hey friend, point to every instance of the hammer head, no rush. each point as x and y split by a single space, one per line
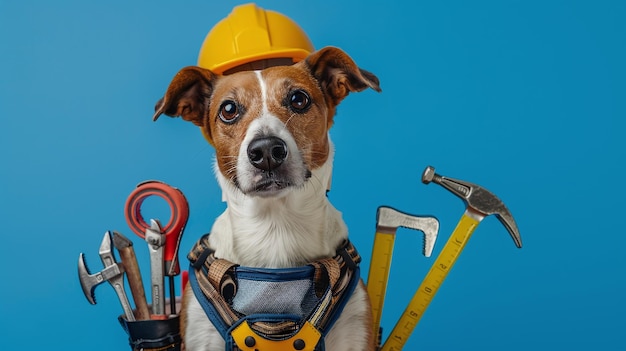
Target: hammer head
111 270
87 280
477 200
390 219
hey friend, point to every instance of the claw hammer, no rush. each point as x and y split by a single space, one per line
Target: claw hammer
388 220
479 203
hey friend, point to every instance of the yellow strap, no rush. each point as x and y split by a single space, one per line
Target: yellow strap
247 340
431 283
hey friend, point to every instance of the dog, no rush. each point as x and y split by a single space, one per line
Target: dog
273 162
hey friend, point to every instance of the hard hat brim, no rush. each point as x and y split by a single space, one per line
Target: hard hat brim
295 54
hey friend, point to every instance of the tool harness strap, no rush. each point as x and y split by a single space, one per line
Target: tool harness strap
311 297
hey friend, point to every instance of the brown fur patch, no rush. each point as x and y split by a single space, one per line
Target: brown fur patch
310 127
243 89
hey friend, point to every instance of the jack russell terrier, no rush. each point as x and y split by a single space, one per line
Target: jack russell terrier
273 163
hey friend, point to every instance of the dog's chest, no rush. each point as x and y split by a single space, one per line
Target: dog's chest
276 234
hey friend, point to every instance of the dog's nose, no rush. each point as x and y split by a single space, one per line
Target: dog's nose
267 153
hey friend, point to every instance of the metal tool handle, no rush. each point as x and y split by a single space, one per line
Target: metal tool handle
156 240
118 285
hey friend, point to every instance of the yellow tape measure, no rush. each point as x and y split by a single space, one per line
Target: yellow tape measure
379 274
430 285
479 203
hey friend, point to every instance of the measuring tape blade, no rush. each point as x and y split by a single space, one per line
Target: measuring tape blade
431 283
379 273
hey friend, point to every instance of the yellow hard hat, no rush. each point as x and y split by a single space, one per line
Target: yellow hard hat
250 33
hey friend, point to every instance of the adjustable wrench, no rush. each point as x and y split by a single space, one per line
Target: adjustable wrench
129 260
113 272
156 240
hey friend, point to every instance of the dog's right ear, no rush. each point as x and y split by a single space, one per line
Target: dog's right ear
188 96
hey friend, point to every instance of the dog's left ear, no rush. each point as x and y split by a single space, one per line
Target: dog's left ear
187 95
338 74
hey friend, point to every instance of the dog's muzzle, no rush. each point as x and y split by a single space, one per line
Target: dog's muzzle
269 165
268 156
267 153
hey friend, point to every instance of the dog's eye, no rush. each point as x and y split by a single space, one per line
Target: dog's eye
229 111
299 101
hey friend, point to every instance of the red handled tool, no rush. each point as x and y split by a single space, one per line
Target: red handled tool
164 261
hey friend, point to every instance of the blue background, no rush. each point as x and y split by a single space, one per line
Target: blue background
525 98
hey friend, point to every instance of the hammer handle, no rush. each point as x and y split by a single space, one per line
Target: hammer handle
129 260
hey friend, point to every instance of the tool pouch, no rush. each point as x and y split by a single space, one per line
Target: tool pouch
153 335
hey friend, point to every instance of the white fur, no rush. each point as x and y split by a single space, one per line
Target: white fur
295 226
267 125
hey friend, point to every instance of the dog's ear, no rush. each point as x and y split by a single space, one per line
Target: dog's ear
188 96
338 74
